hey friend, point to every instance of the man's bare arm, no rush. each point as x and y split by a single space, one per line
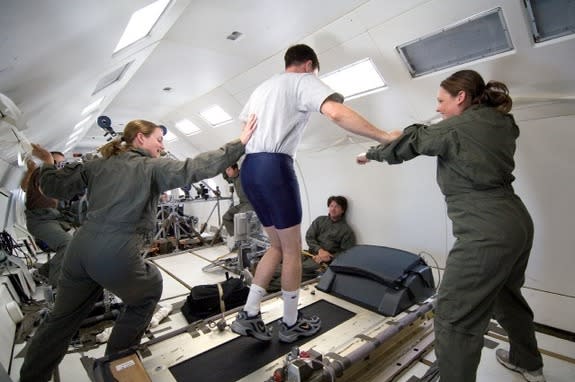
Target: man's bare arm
351 121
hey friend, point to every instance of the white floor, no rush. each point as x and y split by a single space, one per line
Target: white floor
184 270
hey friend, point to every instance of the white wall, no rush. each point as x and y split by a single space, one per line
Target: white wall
7 325
10 175
546 183
396 206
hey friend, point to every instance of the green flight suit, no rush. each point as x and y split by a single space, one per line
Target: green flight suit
485 269
334 237
123 193
46 223
242 206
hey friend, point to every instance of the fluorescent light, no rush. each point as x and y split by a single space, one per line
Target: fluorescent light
187 127
93 106
111 78
355 80
77 133
170 137
216 116
79 124
71 143
141 23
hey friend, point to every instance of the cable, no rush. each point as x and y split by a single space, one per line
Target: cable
436 266
524 286
11 247
548 291
303 183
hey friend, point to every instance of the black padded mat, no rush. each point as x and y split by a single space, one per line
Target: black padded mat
244 355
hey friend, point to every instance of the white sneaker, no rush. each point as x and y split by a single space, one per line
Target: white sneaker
530 376
251 326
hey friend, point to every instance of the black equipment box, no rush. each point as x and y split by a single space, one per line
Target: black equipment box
382 279
206 300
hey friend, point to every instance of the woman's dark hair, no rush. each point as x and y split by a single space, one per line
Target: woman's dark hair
298 54
494 93
340 200
125 142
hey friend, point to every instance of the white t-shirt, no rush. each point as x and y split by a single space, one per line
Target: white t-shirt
282 106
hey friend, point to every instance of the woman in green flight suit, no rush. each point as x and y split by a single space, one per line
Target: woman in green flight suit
474 145
123 192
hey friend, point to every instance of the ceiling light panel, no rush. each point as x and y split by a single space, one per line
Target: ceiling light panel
187 127
82 122
476 37
112 77
355 80
141 23
93 106
216 116
550 19
170 137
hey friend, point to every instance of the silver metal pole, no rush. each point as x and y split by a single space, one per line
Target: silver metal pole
337 366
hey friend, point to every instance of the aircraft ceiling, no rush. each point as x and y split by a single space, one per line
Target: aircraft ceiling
54 52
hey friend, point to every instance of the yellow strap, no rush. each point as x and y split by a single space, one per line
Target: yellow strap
221 294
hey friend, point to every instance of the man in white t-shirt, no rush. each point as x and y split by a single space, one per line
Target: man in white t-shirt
283 105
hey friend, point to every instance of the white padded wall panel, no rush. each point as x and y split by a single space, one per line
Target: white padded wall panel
7 328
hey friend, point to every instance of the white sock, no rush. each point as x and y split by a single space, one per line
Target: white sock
291 300
257 293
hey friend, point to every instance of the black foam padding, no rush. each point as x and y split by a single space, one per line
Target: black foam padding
385 280
244 355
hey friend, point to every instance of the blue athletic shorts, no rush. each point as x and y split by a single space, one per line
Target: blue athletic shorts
271 185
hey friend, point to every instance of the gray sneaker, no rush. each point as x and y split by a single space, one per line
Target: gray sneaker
531 376
251 326
303 327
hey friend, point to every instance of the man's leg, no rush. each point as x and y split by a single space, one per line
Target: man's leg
270 260
249 321
294 324
289 253
290 239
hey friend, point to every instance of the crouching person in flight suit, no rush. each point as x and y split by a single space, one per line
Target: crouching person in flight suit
329 235
43 219
232 175
124 188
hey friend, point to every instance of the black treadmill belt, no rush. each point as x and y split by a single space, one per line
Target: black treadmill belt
244 355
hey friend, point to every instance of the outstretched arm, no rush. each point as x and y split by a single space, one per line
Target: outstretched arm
30 167
351 121
42 154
